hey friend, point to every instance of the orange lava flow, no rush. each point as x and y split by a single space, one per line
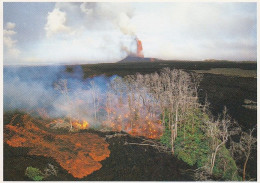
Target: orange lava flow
79 153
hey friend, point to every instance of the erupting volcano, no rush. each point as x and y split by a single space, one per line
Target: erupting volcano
139 55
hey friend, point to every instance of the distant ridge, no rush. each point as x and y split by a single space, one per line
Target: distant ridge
136 59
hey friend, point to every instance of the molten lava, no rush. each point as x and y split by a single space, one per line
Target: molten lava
78 153
139 49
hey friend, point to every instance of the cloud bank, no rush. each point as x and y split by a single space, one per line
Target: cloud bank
197 31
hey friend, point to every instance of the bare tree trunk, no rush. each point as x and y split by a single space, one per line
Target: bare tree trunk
95 108
70 123
184 132
172 138
69 114
163 120
213 157
169 120
176 121
244 168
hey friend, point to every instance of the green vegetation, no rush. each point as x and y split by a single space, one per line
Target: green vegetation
193 145
225 166
34 173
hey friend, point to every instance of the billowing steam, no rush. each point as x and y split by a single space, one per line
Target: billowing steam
87 32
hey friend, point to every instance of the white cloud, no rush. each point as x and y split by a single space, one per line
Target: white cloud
10 25
85 9
56 21
7 32
10 44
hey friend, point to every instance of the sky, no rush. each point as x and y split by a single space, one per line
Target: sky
70 33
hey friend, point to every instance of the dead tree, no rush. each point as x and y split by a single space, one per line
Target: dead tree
62 87
179 96
118 87
94 90
244 148
169 93
218 131
130 91
108 104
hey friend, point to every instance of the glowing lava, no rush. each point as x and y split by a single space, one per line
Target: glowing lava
139 49
78 153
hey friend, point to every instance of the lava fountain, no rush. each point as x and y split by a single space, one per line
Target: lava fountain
139 48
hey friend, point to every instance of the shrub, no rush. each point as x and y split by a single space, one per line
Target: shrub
166 138
191 144
50 170
225 166
34 173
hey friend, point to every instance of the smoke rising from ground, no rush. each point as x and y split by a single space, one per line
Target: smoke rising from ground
33 88
62 92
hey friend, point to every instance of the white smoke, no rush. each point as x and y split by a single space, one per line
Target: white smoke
88 32
32 88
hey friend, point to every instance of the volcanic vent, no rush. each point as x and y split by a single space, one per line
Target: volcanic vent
139 55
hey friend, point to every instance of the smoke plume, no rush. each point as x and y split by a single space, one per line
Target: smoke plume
87 32
33 88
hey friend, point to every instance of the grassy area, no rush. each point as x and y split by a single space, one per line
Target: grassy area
230 72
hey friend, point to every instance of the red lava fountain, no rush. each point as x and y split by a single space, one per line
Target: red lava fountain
139 49
79 153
